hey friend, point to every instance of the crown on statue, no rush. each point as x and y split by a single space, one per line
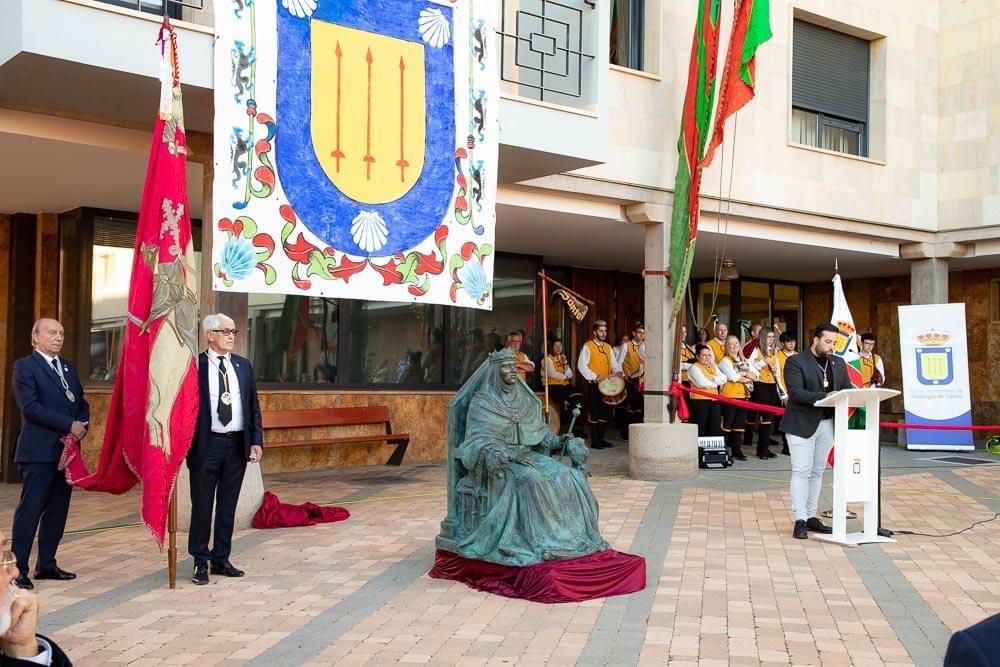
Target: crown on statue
846 328
933 338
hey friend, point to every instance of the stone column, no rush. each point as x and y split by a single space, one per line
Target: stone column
929 269
659 450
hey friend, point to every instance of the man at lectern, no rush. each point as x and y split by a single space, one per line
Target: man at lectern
809 378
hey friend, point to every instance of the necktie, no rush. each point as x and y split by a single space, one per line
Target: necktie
224 408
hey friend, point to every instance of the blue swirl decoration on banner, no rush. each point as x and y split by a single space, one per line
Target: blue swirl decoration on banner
321 206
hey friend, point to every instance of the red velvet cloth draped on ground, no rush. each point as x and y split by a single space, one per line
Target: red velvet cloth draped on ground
275 514
154 404
598 575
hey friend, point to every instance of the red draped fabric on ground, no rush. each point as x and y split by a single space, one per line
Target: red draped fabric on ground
598 575
275 514
154 405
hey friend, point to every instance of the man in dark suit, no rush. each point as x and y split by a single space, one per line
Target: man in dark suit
227 435
19 642
48 391
809 377
976 646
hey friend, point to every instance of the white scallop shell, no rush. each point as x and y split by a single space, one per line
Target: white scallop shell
299 8
369 231
434 27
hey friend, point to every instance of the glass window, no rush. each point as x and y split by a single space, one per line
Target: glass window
821 131
476 333
788 309
396 343
755 307
293 338
148 6
626 33
110 274
712 304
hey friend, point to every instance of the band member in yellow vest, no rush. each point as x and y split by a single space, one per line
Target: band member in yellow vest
787 350
688 356
524 364
634 368
872 369
718 344
597 361
704 375
558 374
740 377
763 359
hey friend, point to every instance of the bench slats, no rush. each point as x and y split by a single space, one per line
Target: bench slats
327 417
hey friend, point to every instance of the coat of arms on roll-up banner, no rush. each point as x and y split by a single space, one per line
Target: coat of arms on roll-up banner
356 149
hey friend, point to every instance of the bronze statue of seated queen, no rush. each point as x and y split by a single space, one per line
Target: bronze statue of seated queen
511 498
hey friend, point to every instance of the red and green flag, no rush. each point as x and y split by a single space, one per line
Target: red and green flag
699 100
751 28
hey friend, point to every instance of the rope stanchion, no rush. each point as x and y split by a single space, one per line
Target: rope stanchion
677 388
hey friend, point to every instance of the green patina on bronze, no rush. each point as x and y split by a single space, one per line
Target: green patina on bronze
509 501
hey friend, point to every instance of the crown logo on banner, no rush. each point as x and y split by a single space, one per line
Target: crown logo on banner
846 328
933 338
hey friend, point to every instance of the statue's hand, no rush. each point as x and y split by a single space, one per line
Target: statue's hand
577 451
524 460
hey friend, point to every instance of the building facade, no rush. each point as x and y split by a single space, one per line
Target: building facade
873 142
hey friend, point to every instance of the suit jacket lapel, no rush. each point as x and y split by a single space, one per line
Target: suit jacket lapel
48 371
203 380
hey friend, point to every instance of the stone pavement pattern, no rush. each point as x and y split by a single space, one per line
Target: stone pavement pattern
726 582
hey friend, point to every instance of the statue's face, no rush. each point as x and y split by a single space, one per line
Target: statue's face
508 372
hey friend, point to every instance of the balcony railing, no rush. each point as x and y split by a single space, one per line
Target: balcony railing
174 7
548 50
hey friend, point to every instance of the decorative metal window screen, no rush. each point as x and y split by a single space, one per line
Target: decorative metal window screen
547 50
830 72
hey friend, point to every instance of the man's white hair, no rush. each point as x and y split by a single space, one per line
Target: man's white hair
214 321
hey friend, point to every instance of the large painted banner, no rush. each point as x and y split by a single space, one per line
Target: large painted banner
356 149
934 357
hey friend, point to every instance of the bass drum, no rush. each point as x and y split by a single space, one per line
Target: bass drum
612 389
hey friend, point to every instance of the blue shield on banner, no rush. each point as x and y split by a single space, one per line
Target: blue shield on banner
366 106
934 365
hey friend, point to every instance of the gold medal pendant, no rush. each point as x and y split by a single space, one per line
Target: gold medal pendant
226 398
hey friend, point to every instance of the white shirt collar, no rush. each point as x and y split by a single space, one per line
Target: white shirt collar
213 356
47 358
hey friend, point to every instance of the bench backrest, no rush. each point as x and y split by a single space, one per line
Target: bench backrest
378 414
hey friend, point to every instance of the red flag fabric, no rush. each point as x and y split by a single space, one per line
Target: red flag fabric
273 513
154 406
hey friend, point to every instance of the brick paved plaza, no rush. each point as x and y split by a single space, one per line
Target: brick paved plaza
726 582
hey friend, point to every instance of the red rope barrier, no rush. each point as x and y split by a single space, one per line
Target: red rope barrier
677 388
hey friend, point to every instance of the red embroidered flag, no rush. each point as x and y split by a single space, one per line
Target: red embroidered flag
155 401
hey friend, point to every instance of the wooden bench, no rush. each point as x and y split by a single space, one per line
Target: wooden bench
318 417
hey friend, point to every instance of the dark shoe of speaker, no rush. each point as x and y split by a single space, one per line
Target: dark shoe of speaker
799 532
818 526
22 581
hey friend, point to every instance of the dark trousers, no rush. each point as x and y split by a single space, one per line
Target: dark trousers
564 398
707 415
216 481
598 416
44 502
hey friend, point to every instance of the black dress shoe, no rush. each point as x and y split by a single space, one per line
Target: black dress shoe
818 526
771 455
55 573
22 581
799 532
598 445
200 576
739 456
226 569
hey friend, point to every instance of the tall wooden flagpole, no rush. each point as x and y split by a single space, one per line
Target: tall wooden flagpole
172 530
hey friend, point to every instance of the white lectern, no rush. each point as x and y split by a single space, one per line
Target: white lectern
855 462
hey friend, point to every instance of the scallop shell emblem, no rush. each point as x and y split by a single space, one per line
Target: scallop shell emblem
299 8
238 259
369 231
434 27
